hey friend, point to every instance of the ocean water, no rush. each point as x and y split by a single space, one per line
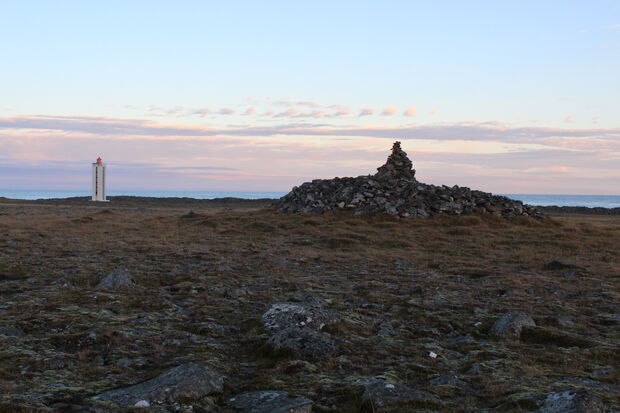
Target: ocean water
605 201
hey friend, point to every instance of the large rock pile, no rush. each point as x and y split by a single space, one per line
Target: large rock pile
395 191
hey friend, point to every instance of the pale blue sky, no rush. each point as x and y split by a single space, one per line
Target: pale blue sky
516 64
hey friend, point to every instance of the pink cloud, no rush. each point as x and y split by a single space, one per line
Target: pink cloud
568 119
432 112
410 111
389 111
249 111
287 113
269 113
226 111
308 104
366 112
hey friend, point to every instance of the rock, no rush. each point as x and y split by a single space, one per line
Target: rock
572 401
117 280
509 326
381 396
558 264
284 315
10 331
191 381
451 380
393 190
270 402
304 343
296 327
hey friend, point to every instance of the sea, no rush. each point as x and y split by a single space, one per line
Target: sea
604 201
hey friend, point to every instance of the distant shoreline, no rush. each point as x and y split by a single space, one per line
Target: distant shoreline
146 201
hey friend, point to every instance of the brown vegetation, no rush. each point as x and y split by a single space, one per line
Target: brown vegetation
204 279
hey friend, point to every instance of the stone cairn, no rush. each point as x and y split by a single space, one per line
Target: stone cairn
393 190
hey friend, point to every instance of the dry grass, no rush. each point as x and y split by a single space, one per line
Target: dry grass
206 277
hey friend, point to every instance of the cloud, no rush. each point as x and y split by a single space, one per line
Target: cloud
249 111
366 112
568 119
389 111
432 112
410 111
268 112
287 113
308 104
114 128
226 111
339 113
201 112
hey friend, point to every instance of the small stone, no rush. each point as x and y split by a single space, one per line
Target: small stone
268 401
572 401
382 397
142 403
509 326
117 280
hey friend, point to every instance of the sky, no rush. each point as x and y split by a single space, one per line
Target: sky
502 96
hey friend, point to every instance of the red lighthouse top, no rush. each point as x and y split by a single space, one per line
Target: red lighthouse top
99 161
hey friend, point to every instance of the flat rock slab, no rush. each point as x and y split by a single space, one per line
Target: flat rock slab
509 326
270 402
117 280
572 401
189 381
383 397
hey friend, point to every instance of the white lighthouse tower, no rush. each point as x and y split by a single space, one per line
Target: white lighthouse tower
99 181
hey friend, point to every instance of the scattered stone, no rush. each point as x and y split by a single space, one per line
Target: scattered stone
142 403
117 280
191 381
393 190
509 326
270 402
62 282
572 401
382 397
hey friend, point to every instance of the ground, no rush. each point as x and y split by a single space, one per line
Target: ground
402 289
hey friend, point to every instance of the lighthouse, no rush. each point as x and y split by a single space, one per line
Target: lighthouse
99 181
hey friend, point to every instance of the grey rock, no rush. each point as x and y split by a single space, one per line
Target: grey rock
270 402
284 315
572 401
304 343
191 381
117 280
393 190
451 380
558 264
382 397
509 326
10 331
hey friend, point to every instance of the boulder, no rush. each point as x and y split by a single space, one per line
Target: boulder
297 327
284 315
572 401
304 343
117 280
382 397
269 401
191 381
509 326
